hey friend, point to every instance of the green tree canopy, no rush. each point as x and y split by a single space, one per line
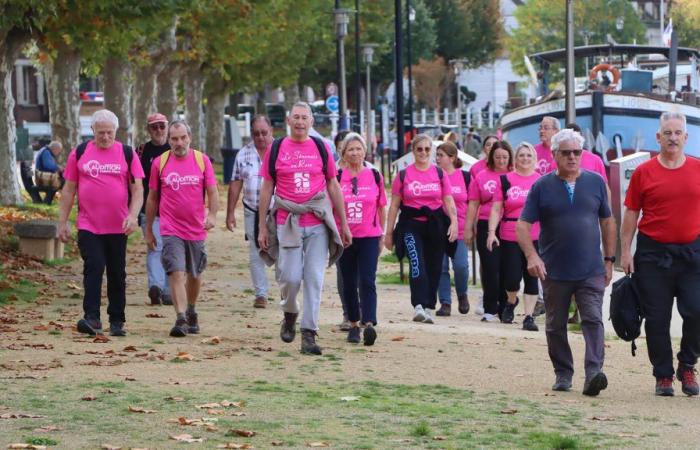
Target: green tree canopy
686 22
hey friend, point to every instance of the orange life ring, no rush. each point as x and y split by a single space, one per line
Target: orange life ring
604 67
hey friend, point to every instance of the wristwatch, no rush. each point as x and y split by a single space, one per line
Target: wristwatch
612 259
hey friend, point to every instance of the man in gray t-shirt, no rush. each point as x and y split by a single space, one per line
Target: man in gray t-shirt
572 207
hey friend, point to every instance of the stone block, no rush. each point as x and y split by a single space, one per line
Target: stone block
38 238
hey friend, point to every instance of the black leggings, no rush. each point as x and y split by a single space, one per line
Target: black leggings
425 262
494 296
514 268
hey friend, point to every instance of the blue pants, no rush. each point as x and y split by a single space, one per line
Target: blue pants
358 265
460 266
154 266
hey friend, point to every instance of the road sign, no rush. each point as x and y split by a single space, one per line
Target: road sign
331 89
332 103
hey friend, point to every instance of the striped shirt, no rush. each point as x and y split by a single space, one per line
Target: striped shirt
246 168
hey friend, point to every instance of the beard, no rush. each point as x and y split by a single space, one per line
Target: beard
180 151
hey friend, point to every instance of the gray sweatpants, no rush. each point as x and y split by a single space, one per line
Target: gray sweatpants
257 265
589 299
307 263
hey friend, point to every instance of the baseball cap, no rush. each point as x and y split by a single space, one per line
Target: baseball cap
157 118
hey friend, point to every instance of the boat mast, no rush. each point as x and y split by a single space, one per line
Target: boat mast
570 85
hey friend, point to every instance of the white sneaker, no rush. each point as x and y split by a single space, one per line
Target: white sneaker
479 310
489 318
428 316
419 315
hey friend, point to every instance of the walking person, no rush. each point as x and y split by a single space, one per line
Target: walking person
158 286
572 208
509 200
365 209
447 158
428 221
180 179
247 178
107 178
665 191
301 233
481 193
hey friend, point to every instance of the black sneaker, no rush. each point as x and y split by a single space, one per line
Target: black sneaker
90 326
508 313
686 375
308 343
562 384
117 329
166 299
155 294
369 335
597 383
180 328
445 310
288 328
529 324
192 323
354 335
664 386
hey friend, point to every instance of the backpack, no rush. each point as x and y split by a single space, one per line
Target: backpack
467 178
274 152
375 173
505 185
625 311
128 156
198 157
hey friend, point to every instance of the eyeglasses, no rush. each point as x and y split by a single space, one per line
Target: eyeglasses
422 149
353 182
157 126
546 128
260 133
567 153
440 155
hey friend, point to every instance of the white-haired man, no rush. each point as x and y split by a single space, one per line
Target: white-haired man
666 264
549 126
108 180
572 208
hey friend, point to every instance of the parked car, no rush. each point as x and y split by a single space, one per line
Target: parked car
276 113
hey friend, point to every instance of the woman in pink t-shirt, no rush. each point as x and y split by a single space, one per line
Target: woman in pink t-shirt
486 149
448 160
481 192
365 205
423 193
508 203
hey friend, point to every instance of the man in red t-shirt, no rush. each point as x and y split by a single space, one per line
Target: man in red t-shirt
666 189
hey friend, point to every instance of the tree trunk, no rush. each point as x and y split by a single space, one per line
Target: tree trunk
291 96
167 90
9 186
117 92
63 76
216 93
144 100
194 87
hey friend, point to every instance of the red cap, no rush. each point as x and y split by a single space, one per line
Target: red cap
157 118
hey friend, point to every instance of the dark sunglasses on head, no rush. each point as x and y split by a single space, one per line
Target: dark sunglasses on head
567 153
353 182
157 126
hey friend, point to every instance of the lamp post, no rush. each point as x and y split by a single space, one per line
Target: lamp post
410 17
368 53
458 65
398 73
342 18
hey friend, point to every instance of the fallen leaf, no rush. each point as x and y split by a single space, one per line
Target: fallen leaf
89 398
439 438
398 338
139 409
234 445
186 438
243 433
32 446
216 412
100 339
129 379
110 447
509 411
209 406
174 399
211 428
73 286
227 404
41 328
318 444
602 418
238 413
130 348
47 429
155 316
20 416
350 398
277 443
183 356
212 341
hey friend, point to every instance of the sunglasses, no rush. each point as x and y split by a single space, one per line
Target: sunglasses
567 153
157 126
422 149
260 133
353 182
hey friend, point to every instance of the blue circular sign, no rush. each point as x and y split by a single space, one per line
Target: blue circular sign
333 103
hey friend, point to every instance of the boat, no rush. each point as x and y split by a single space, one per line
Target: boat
618 116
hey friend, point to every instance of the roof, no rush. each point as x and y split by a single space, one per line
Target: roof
684 53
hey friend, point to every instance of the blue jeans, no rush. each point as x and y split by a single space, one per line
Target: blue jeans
154 266
460 266
358 265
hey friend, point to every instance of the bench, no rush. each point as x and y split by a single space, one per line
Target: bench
39 239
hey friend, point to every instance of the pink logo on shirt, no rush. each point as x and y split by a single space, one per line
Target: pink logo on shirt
94 168
302 182
516 192
490 186
174 180
543 166
418 188
354 210
456 189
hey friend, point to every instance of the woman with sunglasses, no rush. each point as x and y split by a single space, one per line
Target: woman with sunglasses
509 200
482 189
448 160
423 193
365 207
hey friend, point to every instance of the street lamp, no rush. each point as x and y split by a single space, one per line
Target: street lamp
368 53
411 17
342 18
458 65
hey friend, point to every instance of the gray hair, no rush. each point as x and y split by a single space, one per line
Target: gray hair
301 104
565 135
105 116
348 139
554 120
180 123
55 144
260 117
665 117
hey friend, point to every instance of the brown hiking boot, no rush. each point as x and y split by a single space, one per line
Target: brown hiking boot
287 331
463 303
308 343
445 310
260 302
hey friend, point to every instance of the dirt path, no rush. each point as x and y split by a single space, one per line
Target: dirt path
458 351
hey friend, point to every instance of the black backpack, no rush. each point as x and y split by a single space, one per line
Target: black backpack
375 173
505 185
625 310
274 152
128 156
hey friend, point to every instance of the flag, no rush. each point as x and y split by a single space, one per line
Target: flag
668 31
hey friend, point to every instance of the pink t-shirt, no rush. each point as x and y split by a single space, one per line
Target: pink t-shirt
422 188
459 193
483 188
361 209
299 175
513 206
592 162
478 167
545 160
182 187
102 177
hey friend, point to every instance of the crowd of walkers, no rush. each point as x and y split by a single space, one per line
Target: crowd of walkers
538 215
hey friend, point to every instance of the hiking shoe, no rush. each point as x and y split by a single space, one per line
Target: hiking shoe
489 318
597 383
463 304
260 302
428 317
419 314
664 386
345 325
117 329
445 310
180 328
354 335
369 335
479 310
155 294
288 329
686 375
90 326
192 323
508 313
539 309
166 300
562 384
529 324
308 342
